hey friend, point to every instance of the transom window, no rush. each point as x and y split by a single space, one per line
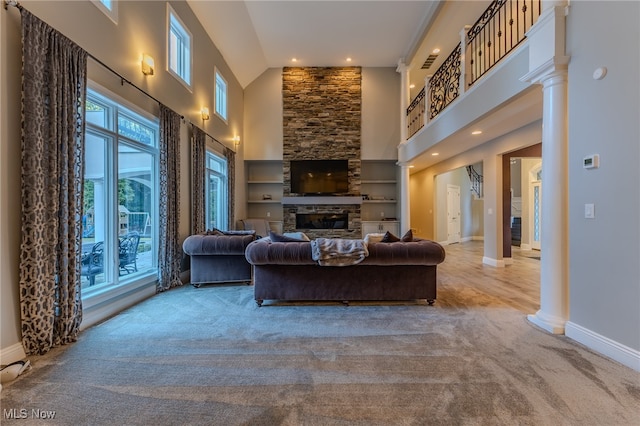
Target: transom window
120 199
178 48
216 191
108 7
221 96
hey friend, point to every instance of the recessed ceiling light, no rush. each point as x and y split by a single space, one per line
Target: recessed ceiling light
476 132
411 167
411 86
348 59
435 51
294 59
435 154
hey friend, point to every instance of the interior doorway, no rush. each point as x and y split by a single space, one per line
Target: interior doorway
518 215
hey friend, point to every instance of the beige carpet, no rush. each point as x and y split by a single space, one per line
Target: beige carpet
210 356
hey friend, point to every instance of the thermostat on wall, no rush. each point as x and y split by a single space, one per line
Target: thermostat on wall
591 162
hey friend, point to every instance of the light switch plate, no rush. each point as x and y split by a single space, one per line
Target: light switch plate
589 211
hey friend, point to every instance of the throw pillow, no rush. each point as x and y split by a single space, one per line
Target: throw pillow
408 236
299 235
389 238
373 238
279 238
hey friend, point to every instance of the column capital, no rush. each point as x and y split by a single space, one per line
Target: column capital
402 67
558 65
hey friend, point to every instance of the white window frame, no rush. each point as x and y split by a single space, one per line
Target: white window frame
112 12
221 98
183 76
223 201
101 294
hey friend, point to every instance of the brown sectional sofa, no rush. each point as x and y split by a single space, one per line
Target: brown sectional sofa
391 271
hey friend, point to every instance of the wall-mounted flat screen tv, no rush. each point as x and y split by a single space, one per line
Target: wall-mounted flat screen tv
320 177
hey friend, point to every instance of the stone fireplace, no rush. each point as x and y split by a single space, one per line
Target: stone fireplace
322 121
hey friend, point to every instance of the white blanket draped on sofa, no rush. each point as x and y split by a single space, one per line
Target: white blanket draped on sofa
338 252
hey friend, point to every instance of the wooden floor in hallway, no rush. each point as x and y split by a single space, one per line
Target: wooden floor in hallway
463 273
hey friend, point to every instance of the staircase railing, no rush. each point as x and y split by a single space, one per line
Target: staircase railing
499 30
476 181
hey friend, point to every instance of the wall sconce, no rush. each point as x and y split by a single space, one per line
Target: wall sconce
236 141
147 64
205 113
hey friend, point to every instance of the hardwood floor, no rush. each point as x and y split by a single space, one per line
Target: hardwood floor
463 279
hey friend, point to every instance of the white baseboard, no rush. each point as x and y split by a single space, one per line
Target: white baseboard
493 262
12 354
610 348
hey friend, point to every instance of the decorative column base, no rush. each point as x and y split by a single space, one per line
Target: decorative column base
550 323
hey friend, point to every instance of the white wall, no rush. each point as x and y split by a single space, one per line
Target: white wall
141 29
604 119
380 118
263 117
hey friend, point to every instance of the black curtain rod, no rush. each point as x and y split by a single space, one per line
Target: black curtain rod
122 78
212 138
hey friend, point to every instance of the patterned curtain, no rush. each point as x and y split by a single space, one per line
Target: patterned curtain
231 185
54 77
198 158
170 251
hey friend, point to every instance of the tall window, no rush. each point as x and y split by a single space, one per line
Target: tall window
178 48
119 241
216 192
109 7
221 96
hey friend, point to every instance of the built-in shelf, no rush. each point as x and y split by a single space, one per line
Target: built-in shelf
265 178
378 201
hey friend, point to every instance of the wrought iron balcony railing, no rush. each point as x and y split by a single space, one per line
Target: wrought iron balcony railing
499 30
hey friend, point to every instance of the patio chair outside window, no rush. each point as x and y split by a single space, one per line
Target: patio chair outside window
128 252
93 262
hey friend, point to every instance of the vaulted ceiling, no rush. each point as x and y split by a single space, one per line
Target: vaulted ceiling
256 35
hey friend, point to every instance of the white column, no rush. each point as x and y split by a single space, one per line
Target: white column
405 198
548 66
405 95
554 285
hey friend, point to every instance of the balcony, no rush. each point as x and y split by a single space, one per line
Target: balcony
483 69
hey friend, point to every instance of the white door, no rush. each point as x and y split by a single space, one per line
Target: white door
536 202
453 214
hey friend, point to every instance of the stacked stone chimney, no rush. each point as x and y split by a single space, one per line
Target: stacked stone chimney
322 121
